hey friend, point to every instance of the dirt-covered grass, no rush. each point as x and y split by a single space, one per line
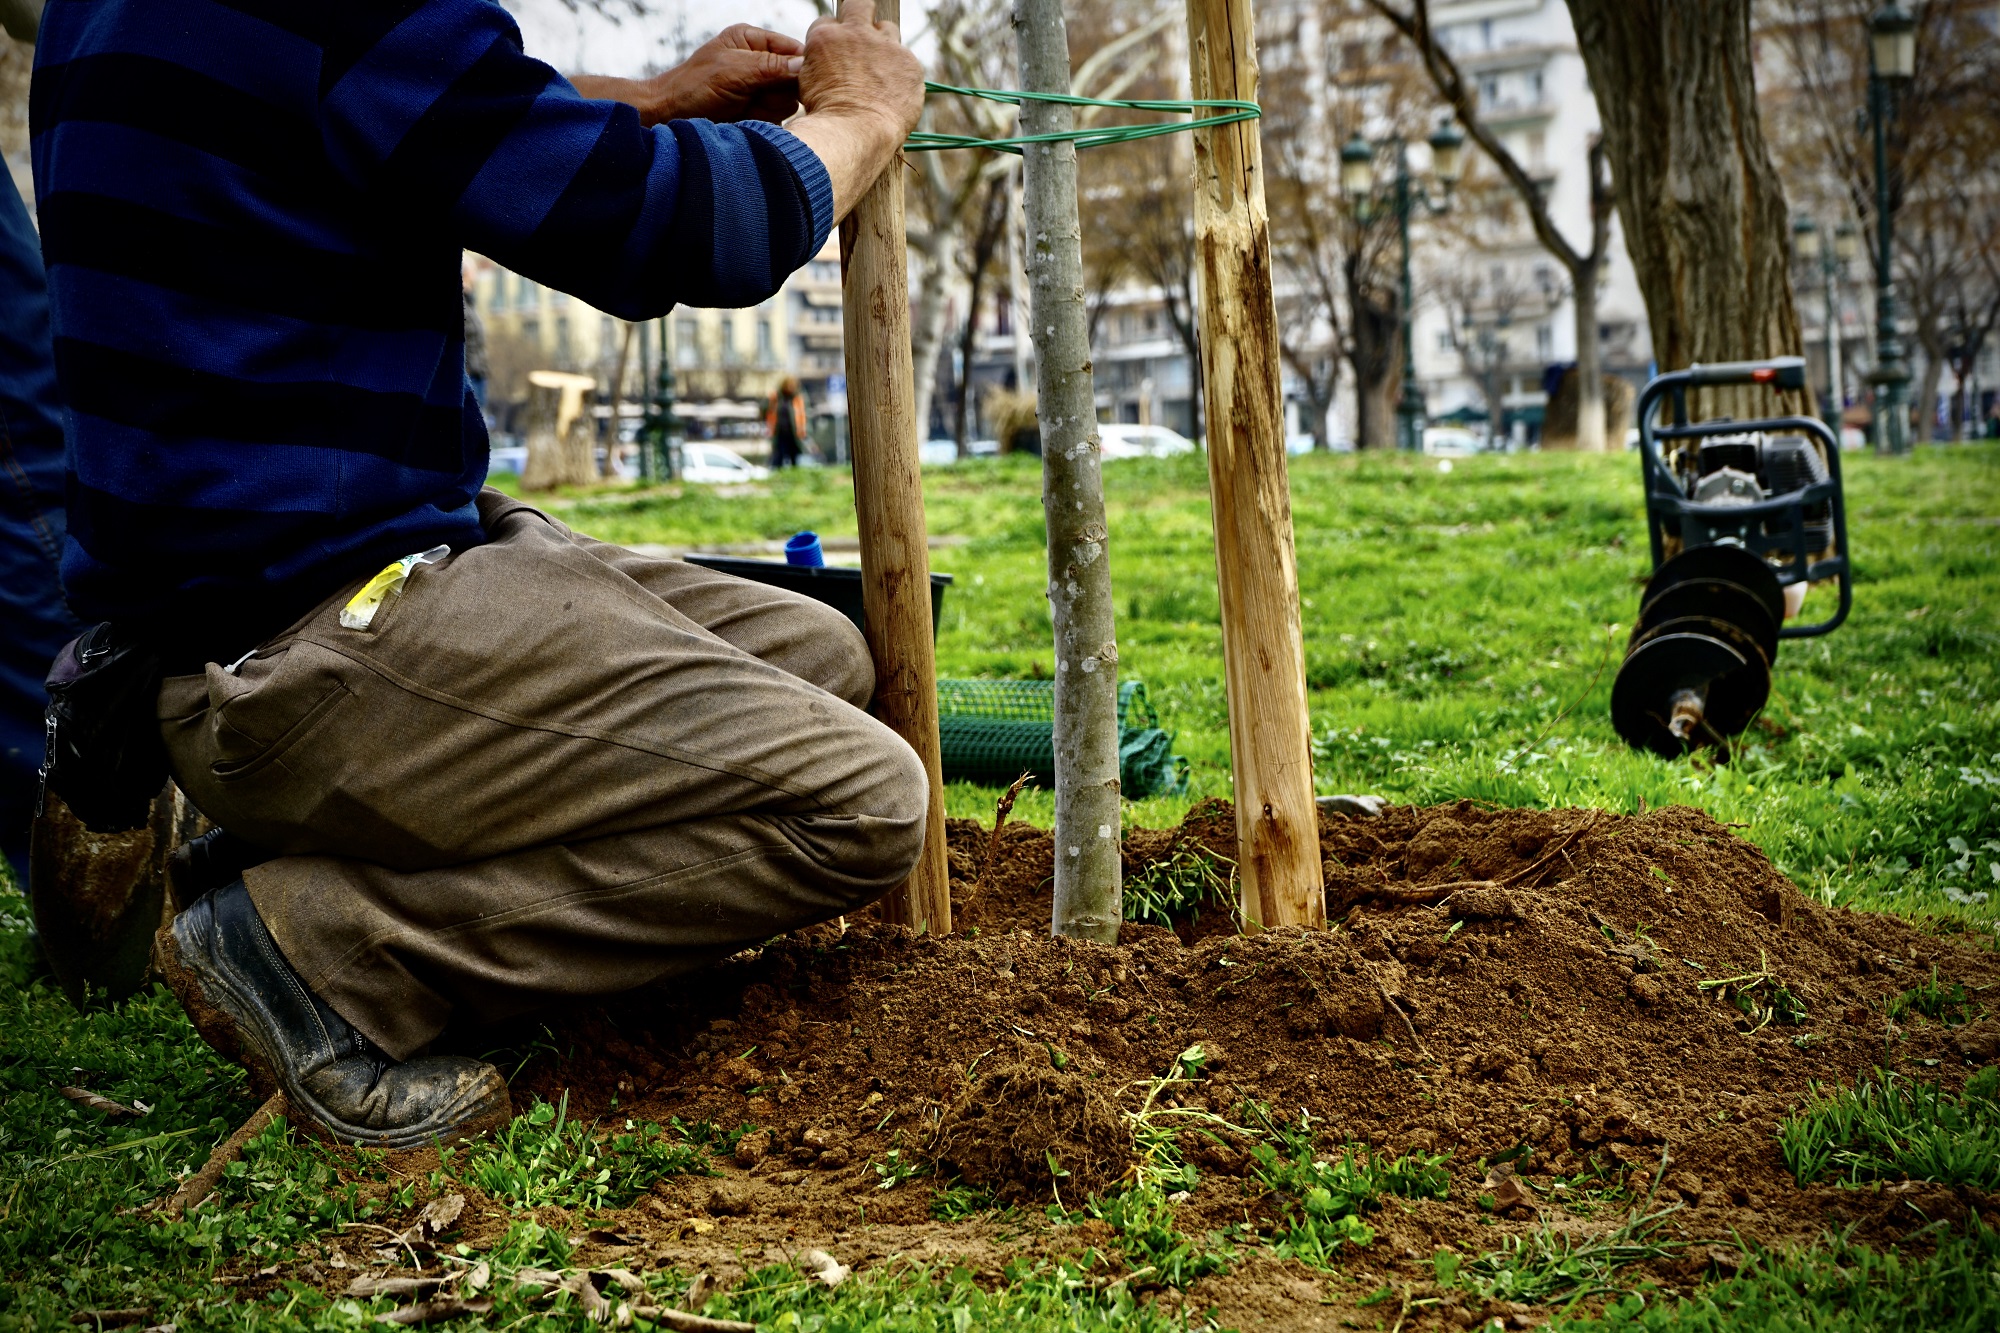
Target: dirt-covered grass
1457 646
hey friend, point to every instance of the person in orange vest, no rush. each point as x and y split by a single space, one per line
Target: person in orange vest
785 421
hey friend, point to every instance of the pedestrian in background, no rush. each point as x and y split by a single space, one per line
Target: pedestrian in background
785 420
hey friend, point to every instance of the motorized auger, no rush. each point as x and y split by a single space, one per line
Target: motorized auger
1743 517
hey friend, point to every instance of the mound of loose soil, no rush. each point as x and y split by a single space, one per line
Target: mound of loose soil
1495 978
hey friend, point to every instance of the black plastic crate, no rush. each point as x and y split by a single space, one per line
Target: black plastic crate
837 585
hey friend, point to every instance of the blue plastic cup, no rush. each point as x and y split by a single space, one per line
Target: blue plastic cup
803 549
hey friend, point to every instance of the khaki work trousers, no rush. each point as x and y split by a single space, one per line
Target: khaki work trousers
549 768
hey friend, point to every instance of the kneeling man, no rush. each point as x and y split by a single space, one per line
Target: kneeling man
545 766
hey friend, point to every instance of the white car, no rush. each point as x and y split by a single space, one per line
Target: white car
711 464
1451 441
1119 440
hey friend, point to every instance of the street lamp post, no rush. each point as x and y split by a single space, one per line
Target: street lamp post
1892 58
1810 243
1407 195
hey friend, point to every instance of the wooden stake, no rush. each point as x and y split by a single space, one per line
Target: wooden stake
1270 738
889 500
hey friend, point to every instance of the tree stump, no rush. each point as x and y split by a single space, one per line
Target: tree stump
561 445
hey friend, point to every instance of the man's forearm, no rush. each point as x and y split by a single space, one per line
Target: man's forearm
854 149
636 93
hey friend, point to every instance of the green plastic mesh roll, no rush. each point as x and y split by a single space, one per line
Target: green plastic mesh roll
992 731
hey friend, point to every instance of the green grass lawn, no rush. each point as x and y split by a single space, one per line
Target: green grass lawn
1458 643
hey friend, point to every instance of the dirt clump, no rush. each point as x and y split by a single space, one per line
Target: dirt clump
1625 1005
1027 1130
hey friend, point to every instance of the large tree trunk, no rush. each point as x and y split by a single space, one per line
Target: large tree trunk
1088 858
1373 354
1704 213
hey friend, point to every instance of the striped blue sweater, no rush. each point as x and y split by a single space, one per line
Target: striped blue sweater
252 213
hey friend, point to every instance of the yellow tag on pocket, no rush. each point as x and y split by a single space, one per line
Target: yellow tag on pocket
359 613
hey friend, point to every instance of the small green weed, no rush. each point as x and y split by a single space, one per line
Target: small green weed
896 1168
1945 1001
544 1159
959 1201
1545 1266
1897 1128
1155 1249
1179 885
1759 996
1322 1200
1838 1287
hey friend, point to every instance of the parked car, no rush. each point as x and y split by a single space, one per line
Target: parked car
1119 440
1302 443
711 464
1452 441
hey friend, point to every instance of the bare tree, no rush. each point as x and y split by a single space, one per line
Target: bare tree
1945 138
1703 212
1088 858
1323 83
1585 267
976 262
1142 226
1480 310
974 49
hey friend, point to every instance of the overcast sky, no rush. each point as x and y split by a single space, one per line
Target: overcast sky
589 44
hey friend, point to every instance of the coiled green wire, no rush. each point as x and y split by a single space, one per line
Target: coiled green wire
928 141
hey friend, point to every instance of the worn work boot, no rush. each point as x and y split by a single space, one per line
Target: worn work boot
248 1003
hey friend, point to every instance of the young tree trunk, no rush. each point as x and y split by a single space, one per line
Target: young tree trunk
1589 365
1925 401
1088 856
1703 211
968 344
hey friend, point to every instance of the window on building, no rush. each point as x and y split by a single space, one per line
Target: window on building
563 350
525 294
531 329
1444 340
1489 90
497 296
728 337
767 350
1486 34
1535 86
1545 341
687 343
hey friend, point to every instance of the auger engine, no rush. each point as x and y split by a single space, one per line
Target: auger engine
1743 517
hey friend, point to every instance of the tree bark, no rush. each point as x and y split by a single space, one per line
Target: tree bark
1373 345
1263 652
618 400
1589 365
1704 213
1088 855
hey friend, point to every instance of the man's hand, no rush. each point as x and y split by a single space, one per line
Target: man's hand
862 91
855 66
745 73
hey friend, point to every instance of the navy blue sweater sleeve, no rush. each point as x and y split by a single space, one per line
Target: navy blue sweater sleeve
443 116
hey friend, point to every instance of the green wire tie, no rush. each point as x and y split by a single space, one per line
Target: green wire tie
929 141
